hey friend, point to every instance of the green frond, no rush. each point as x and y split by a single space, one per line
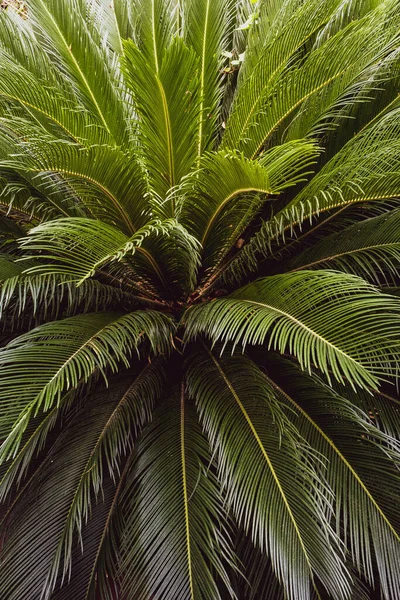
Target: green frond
323 113
167 102
334 321
16 470
367 168
220 200
284 78
124 17
154 24
370 249
208 27
30 79
68 34
51 296
80 247
111 21
361 469
132 411
260 582
107 181
28 192
269 38
268 482
382 407
175 529
54 357
47 527
92 567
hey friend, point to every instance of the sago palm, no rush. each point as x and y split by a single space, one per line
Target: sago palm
200 246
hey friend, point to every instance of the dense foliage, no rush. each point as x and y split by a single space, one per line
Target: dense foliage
200 245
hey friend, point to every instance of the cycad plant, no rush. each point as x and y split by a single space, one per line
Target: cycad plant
200 246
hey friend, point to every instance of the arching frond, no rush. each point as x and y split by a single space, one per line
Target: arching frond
132 411
43 297
68 34
367 168
93 571
360 469
182 557
28 193
382 407
270 39
29 78
107 181
370 249
220 200
279 85
64 505
334 321
56 356
79 247
260 582
153 27
256 465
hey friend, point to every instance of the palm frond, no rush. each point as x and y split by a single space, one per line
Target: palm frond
182 557
334 321
367 168
80 247
361 469
382 407
370 249
208 25
43 297
132 411
267 480
154 25
277 88
167 102
28 192
106 180
261 582
16 471
56 356
78 50
87 576
31 80
63 513
220 201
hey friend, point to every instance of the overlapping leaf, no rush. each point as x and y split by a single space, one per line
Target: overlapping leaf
334 321
256 465
182 558
361 468
58 355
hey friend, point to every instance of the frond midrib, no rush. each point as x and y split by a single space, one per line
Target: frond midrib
266 457
337 451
